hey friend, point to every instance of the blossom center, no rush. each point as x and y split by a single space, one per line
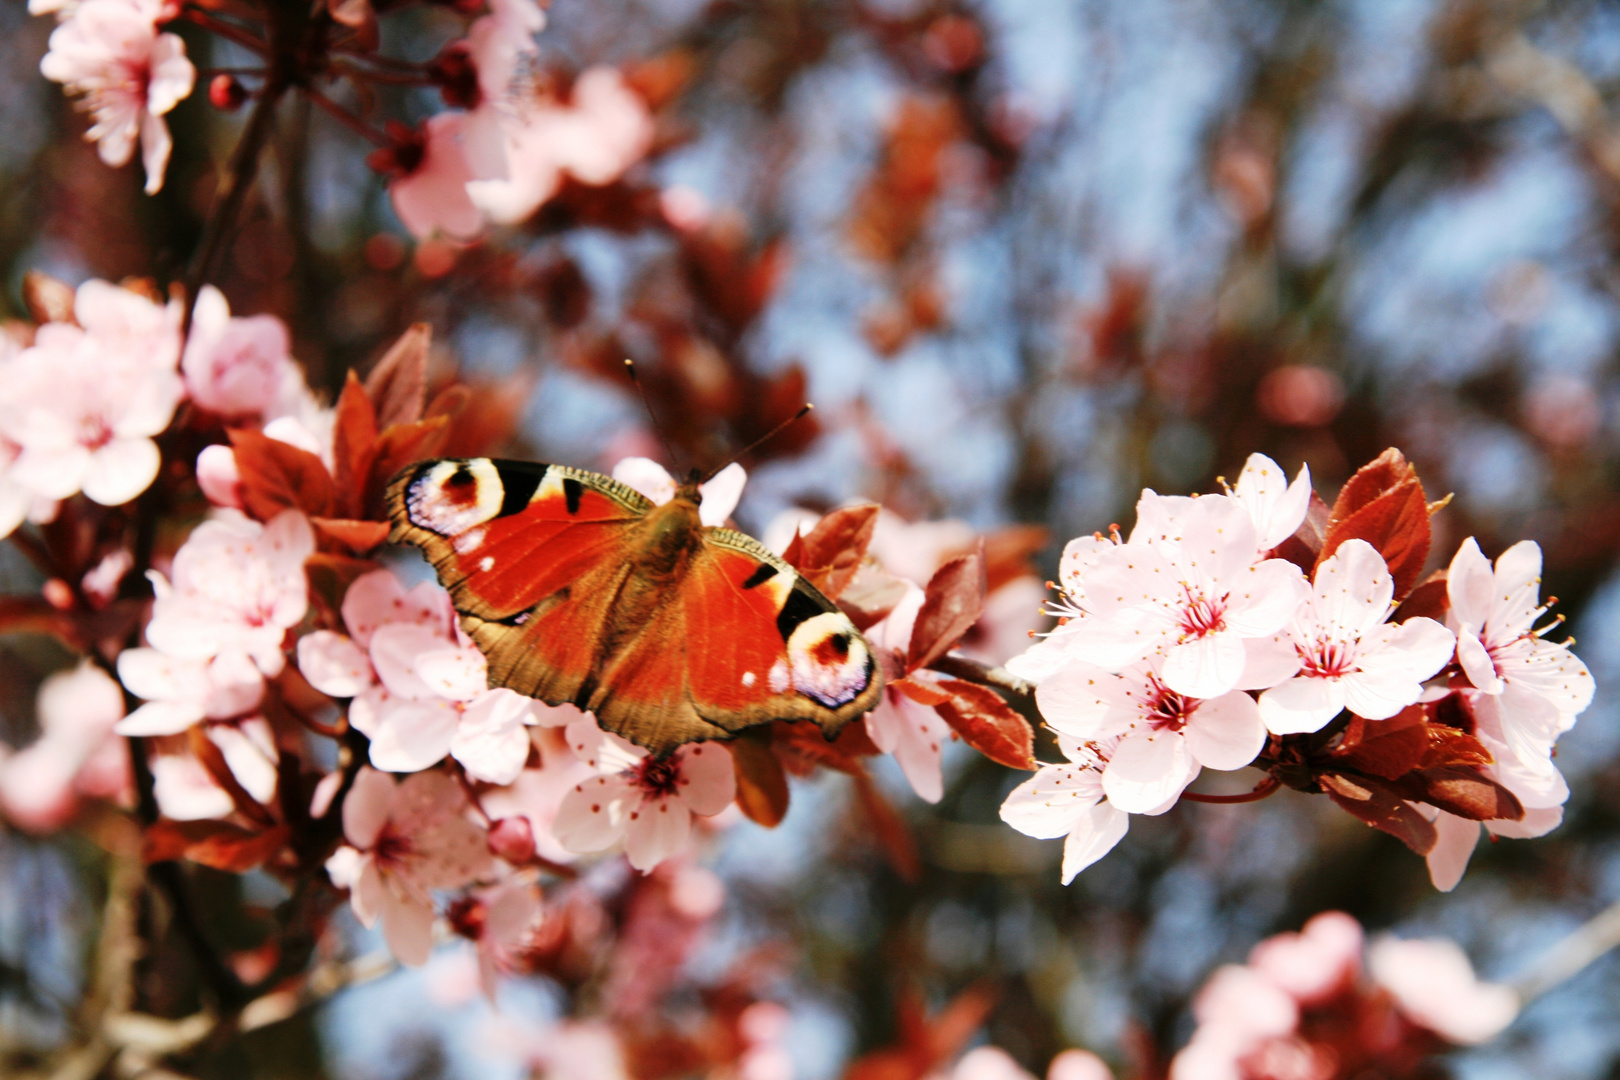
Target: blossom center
391 849
1201 614
1164 709
95 432
657 777
1327 659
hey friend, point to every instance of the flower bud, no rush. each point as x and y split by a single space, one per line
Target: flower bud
512 839
226 92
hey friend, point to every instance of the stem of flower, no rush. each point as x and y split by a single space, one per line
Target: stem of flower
976 671
348 119
229 31
1261 791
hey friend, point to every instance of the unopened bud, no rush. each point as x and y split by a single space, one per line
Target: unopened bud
226 92
512 839
59 594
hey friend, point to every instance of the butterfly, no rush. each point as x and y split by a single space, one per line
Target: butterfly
578 589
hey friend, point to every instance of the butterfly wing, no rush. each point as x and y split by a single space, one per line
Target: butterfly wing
548 567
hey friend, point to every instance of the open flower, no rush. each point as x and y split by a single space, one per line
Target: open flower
130 75
647 802
1164 737
432 167
914 733
237 588
1186 583
537 794
1346 655
237 367
1068 800
404 841
1535 687
1434 987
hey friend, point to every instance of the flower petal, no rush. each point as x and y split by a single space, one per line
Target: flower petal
708 780
1147 772
647 477
121 470
491 739
1050 803
1302 704
657 829
1092 837
1227 732
411 736
592 817
365 810
334 664
721 495
1205 667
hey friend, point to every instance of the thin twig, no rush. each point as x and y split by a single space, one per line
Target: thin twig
1571 956
227 30
1261 791
348 119
976 671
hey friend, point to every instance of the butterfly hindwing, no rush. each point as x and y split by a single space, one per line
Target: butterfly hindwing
577 589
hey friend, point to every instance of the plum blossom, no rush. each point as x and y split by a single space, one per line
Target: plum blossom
404 841
720 493
603 130
1164 737
420 688
1434 987
186 790
1277 507
912 732
1187 583
181 692
1345 654
647 802
433 168
501 921
1534 688
237 367
130 75
1068 800
238 587
75 756
1050 651
537 793
85 400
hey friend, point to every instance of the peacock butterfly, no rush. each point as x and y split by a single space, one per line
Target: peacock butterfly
580 590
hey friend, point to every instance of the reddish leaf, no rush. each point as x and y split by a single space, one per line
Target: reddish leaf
888 828
1383 504
354 445
1429 600
1468 793
1449 746
1378 804
1305 545
870 596
1010 553
358 536
762 786
831 554
397 386
399 446
277 476
218 844
33 614
921 691
988 724
954 601
956 1023
802 749
1387 748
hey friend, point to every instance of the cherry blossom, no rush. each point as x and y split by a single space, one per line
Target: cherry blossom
603 130
237 367
647 802
183 692
1186 582
130 75
184 789
1164 737
1345 654
404 841
434 167
1068 800
76 754
912 732
720 492
1049 652
1534 687
85 400
238 587
1435 987
537 793
1277 507
501 921
1239 1012
1316 963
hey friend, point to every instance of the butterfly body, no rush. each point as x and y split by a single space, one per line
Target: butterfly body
580 590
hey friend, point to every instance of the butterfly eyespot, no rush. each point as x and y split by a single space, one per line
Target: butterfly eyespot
829 660
451 497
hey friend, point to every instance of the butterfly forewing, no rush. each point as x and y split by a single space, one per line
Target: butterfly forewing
578 590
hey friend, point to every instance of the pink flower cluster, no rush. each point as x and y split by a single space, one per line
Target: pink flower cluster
75 757
1191 645
1303 1008
127 73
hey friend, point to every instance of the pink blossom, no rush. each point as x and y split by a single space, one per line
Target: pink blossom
1277 507
645 801
436 165
914 733
1535 688
1068 800
1078 1065
989 1063
404 841
84 401
1434 986
236 367
501 920
186 791
720 493
237 588
110 52
1238 1011
762 1027
1316 963
537 794
183 692
75 755
1345 654
1164 737
1186 583
599 134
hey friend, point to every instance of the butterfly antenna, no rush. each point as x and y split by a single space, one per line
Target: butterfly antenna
658 429
765 438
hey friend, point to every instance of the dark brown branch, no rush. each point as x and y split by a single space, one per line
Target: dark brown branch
999 679
348 119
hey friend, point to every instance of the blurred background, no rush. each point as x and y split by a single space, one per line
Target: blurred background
1026 257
